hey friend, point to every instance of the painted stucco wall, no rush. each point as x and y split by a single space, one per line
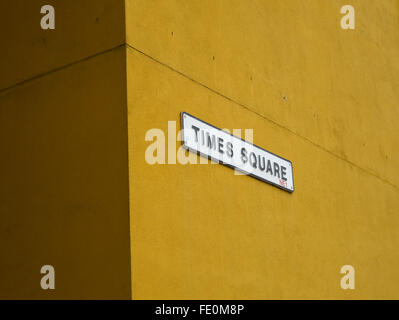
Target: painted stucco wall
77 193
322 97
63 140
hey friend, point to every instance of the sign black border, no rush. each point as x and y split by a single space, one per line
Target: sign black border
232 166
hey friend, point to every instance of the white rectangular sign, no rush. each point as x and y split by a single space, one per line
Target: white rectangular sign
223 147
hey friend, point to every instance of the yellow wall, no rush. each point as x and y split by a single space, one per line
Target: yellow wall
320 96
76 103
63 165
82 30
